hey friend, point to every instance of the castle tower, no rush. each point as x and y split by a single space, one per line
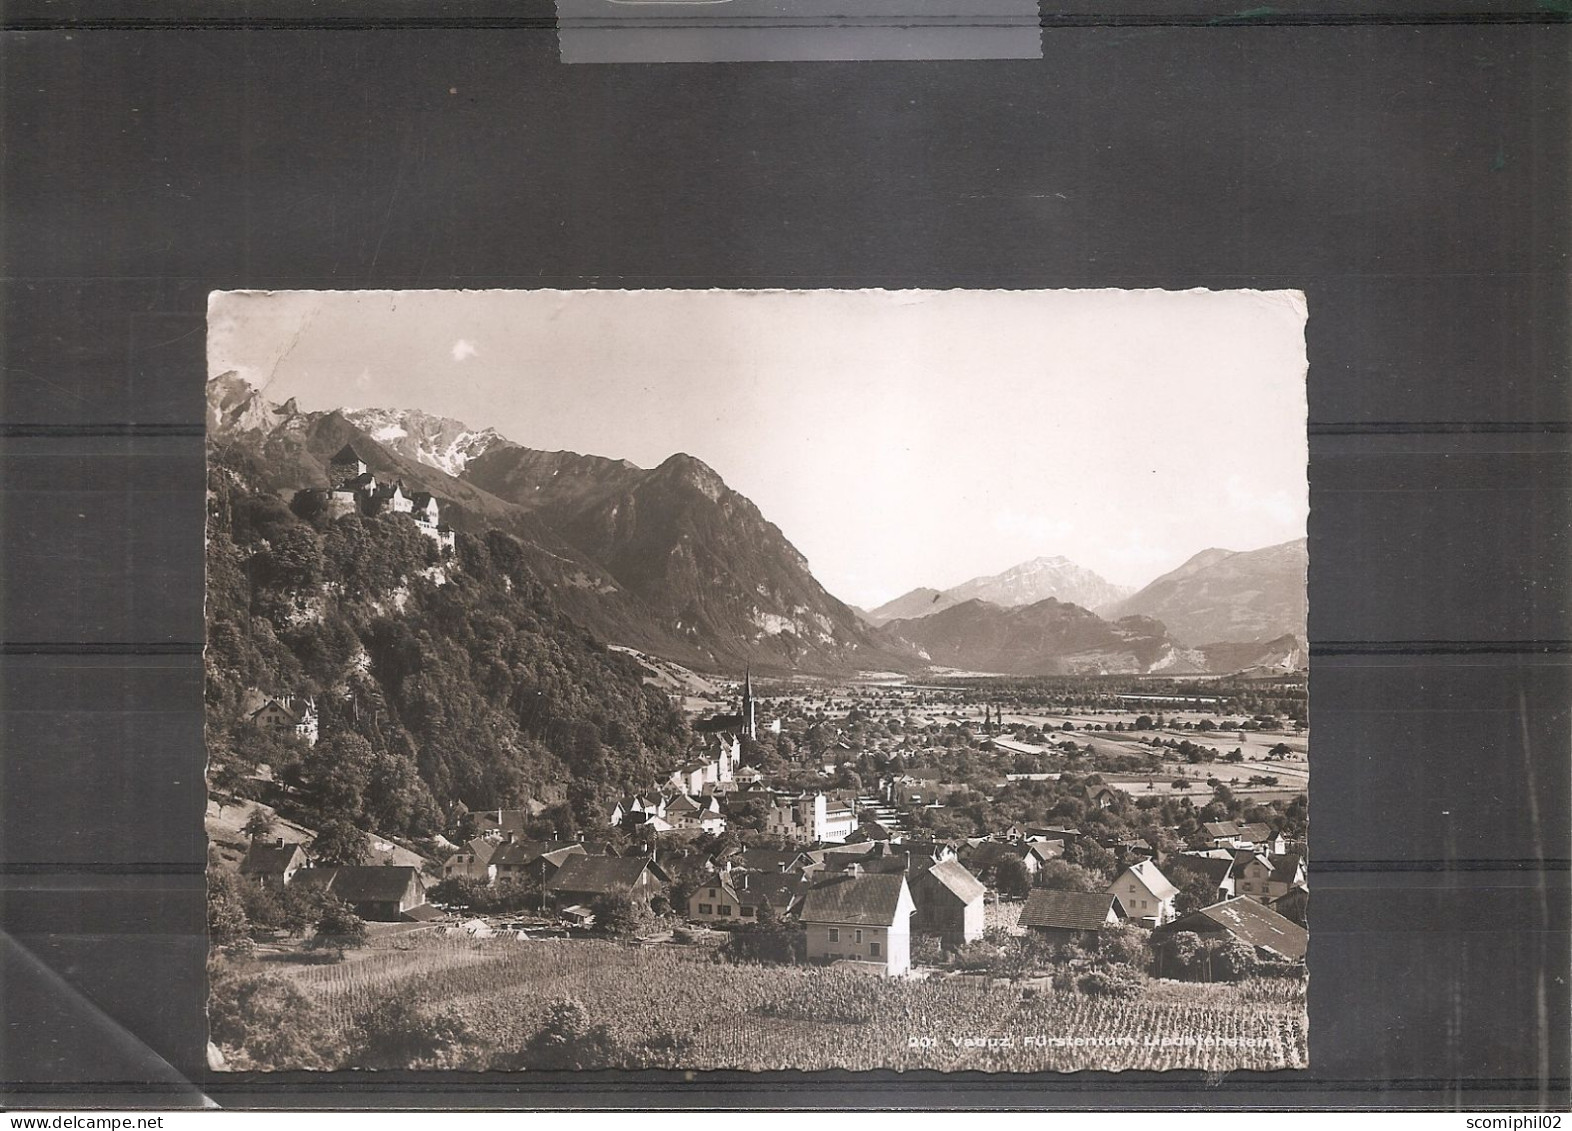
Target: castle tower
749 717
345 466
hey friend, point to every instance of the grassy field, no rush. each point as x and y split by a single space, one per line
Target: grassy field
676 1007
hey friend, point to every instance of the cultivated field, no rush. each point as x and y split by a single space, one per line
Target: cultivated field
676 1007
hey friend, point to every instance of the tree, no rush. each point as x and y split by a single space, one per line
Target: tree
339 842
1094 858
618 915
1059 875
463 892
1233 960
1011 878
398 1033
227 925
1178 954
260 825
568 1042
230 781
1196 888
339 929
266 1023
768 940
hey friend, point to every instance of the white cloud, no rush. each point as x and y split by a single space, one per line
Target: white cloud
464 348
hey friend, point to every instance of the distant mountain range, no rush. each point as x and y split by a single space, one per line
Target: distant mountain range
672 561
1052 637
1044 638
1025 584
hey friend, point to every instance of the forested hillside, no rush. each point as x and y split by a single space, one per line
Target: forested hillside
444 681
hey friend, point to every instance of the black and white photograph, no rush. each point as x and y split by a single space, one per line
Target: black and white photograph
757 679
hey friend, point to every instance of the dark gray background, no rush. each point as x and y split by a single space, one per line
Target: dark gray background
1407 170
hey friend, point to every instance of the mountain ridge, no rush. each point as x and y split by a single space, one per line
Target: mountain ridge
669 559
1228 596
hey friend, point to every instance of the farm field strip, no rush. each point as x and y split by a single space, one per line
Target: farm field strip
677 1009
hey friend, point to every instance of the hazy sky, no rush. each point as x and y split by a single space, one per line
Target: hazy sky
897 438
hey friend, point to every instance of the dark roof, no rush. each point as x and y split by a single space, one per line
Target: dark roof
955 879
347 454
778 888
422 913
1248 921
600 875
1070 910
1214 870
1257 831
371 883
769 859
991 852
1221 828
1285 868
858 900
1243 858
267 859
559 856
1046 850
848 851
518 853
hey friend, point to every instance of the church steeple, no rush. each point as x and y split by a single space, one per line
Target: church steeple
749 719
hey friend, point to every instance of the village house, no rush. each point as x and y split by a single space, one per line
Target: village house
779 892
1070 916
863 918
1266 878
717 901
773 860
498 824
272 863
984 857
1221 834
380 893
636 809
1103 796
472 862
583 879
1272 935
526 862
1040 852
1256 836
1145 894
949 902
288 715
1065 835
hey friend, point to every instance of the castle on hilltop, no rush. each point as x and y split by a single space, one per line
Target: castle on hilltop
353 489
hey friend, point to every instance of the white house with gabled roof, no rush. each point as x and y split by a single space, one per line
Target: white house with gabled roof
1145 893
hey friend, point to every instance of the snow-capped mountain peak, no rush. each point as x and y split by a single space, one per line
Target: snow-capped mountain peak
436 441
1039 579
